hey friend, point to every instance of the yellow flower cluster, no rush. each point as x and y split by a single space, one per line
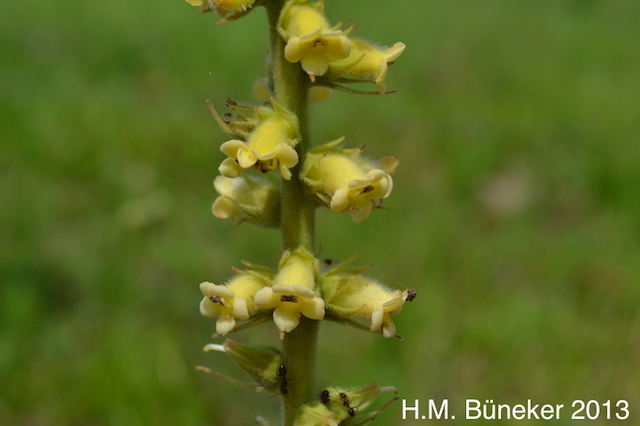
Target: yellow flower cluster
272 178
297 289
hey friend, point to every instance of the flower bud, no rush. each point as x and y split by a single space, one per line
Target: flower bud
293 292
309 38
319 94
261 90
247 198
262 363
347 182
231 301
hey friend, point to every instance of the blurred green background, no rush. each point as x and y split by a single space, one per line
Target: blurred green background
516 209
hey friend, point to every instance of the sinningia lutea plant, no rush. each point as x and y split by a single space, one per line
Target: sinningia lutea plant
272 177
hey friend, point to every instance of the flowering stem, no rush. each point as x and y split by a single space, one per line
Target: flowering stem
291 87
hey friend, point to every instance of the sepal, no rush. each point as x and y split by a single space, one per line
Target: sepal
262 363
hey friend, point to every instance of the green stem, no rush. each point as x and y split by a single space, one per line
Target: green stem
291 87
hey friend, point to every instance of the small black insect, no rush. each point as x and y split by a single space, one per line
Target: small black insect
324 397
367 188
345 399
345 402
282 372
411 294
215 299
288 299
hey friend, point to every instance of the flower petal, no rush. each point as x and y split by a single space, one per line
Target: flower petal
224 207
338 47
340 200
208 308
246 158
361 210
376 319
265 298
240 310
230 168
388 327
225 324
230 148
286 317
315 62
294 50
313 309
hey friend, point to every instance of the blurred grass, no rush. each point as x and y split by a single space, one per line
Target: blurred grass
515 214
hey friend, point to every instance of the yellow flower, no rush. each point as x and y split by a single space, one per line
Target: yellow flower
247 198
346 182
371 300
230 302
293 292
367 62
309 38
269 146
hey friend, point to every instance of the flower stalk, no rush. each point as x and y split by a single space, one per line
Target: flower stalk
291 89
307 55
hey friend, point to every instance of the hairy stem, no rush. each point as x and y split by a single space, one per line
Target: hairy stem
291 87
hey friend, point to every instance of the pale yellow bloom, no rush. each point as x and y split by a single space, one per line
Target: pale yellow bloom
293 292
247 198
346 182
371 300
367 62
270 146
230 302
309 38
